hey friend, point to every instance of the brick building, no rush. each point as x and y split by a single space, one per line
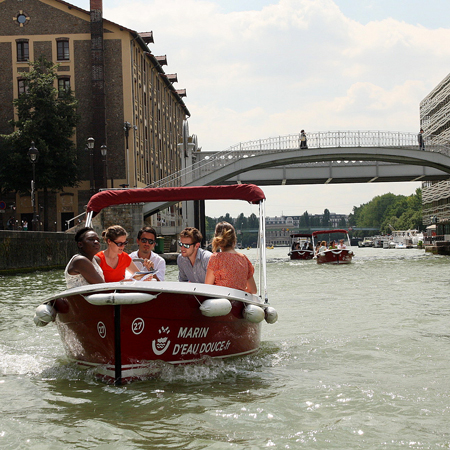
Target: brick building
126 100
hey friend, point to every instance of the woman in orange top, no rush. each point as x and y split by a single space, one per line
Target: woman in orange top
229 268
114 261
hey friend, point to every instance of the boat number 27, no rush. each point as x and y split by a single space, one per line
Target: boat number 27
138 325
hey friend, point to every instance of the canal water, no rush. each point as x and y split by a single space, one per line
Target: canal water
359 359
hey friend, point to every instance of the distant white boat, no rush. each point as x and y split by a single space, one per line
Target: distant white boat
405 239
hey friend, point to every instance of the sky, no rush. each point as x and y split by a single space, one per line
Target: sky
263 68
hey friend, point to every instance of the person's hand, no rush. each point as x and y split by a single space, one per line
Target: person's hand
148 264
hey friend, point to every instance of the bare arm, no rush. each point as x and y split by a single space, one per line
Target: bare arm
210 277
251 286
133 268
85 268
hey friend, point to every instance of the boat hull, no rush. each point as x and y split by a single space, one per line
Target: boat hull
335 256
301 254
123 342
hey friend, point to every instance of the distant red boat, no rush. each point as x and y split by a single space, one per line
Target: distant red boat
124 331
301 246
333 255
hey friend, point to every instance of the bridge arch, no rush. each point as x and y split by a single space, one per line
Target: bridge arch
225 172
332 157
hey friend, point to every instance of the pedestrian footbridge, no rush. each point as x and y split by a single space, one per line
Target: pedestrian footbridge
331 157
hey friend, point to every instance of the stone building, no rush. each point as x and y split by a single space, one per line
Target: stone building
435 121
126 100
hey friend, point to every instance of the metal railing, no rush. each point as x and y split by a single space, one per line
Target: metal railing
329 139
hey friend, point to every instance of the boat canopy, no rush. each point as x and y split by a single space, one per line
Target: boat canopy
315 233
248 192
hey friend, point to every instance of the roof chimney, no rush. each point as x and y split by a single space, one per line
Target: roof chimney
96 5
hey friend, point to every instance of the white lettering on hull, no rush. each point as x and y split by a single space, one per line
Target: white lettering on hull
193 332
193 349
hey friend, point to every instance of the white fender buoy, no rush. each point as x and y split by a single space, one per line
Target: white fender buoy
271 315
253 313
119 298
44 314
215 307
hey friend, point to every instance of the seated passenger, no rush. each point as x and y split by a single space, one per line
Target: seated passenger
192 260
146 240
114 261
341 244
332 245
82 269
229 268
323 246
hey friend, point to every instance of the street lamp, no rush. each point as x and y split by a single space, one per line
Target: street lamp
33 154
104 152
90 147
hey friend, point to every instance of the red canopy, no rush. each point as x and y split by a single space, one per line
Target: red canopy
248 192
315 233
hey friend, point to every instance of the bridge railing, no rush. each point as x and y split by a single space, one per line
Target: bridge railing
329 139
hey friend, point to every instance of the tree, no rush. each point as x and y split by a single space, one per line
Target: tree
226 218
253 222
304 221
326 218
47 117
398 211
241 222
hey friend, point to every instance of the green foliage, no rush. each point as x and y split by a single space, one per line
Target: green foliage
304 222
48 118
384 211
246 228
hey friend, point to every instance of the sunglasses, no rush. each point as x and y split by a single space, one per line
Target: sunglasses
150 241
184 245
120 244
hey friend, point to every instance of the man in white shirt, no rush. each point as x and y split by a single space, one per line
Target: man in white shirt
146 239
341 244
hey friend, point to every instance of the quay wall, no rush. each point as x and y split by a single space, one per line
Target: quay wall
27 251
24 251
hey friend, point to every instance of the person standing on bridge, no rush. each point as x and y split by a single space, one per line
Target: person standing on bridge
303 140
421 140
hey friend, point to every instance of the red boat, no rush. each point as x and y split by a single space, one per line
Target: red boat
127 330
338 255
301 246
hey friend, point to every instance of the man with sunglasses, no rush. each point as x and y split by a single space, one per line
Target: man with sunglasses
146 239
192 260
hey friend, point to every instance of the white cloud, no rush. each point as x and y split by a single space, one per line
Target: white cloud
291 64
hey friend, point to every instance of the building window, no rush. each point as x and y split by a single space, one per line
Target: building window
63 84
22 86
23 50
62 47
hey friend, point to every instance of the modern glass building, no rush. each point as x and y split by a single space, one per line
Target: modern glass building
435 121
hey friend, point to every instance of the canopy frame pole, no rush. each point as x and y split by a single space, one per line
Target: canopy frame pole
262 247
89 218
